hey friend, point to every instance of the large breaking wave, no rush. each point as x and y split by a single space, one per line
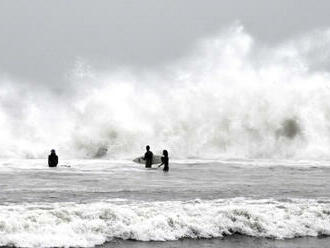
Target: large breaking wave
233 97
85 225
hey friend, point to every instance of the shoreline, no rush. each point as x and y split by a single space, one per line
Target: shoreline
233 241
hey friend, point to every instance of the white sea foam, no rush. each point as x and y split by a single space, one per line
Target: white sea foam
232 97
70 224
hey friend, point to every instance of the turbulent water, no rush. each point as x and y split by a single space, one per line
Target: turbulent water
89 202
247 127
233 96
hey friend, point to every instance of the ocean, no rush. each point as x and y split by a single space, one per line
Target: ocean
247 130
246 124
198 203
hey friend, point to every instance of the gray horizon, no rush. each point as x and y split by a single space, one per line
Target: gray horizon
41 40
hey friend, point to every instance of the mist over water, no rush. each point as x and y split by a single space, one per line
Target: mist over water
231 97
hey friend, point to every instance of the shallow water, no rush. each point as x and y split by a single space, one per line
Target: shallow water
91 202
236 241
90 180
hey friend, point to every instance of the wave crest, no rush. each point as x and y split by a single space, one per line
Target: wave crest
233 97
85 225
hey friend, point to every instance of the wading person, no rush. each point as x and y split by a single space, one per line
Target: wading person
165 161
148 157
52 159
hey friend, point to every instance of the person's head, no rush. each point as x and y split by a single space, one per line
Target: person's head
165 153
147 147
52 151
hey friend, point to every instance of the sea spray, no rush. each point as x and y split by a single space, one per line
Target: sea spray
232 97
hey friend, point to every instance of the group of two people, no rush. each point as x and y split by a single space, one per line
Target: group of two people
148 157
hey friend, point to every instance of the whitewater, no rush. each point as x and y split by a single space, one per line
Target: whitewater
84 203
247 127
232 96
86 225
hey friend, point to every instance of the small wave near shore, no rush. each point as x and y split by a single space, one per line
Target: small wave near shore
86 225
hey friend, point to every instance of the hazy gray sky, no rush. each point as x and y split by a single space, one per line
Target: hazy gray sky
40 39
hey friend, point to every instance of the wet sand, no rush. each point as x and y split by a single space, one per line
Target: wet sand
234 241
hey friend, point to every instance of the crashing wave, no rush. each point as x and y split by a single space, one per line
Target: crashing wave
86 225
233 97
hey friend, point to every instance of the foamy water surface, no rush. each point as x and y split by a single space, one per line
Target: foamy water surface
89 202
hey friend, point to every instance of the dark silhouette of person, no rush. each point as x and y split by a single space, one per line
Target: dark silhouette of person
165 161
52 159
148 157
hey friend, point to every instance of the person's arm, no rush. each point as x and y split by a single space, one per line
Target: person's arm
56 160
162 163
48 160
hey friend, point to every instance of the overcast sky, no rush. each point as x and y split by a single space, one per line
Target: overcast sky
40 40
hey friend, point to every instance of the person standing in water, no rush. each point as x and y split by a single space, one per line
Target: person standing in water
148 157
164 161
52 159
